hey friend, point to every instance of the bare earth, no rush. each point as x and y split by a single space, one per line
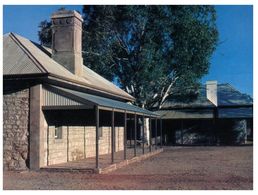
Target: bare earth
177 168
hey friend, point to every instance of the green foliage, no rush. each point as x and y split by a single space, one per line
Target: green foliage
151 51
45 33
195 37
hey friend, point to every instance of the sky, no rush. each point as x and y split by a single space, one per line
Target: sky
232 62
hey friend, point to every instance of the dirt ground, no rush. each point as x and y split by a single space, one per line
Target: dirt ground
177 168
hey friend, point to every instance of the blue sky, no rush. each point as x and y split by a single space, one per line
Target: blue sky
232 62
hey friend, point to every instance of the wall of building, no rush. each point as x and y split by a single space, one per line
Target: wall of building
15 129
79 142
57 148
205 132
119 137
76 142
231 131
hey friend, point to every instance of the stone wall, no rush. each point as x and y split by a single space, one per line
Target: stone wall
119 138
91 142
57 148
76 142
81 143
15 130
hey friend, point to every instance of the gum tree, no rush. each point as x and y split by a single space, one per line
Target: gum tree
149 51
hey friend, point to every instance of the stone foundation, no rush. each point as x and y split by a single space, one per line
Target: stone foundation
15 130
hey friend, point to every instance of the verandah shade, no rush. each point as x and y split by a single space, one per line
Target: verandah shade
86 99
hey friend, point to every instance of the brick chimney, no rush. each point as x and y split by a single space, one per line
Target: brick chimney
211 92
67 40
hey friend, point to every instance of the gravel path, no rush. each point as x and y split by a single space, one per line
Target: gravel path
188 168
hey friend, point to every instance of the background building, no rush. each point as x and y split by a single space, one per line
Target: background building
219 114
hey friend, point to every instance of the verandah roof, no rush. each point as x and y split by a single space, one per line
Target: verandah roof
186 114
58 97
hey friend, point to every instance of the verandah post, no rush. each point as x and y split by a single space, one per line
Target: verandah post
135 127
97 135
156 129
150 134
125 134
112 136
161 139
143 134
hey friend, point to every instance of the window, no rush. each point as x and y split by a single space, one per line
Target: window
58 132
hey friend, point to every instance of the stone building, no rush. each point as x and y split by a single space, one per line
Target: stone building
56 110
218 115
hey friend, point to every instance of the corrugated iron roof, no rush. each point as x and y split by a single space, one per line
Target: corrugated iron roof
23 54
227 96
186 114
235 112
243 112
53 98
199 101
13 56
86 99
231 104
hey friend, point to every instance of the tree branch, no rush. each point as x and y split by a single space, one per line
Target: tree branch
167 92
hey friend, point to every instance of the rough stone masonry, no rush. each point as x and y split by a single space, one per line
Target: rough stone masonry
15 130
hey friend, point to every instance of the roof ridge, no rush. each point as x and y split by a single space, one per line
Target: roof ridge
233 88
27 52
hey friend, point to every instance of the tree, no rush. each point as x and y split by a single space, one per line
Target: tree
150 51
45 33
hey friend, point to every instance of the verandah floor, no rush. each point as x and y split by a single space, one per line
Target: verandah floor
89 164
